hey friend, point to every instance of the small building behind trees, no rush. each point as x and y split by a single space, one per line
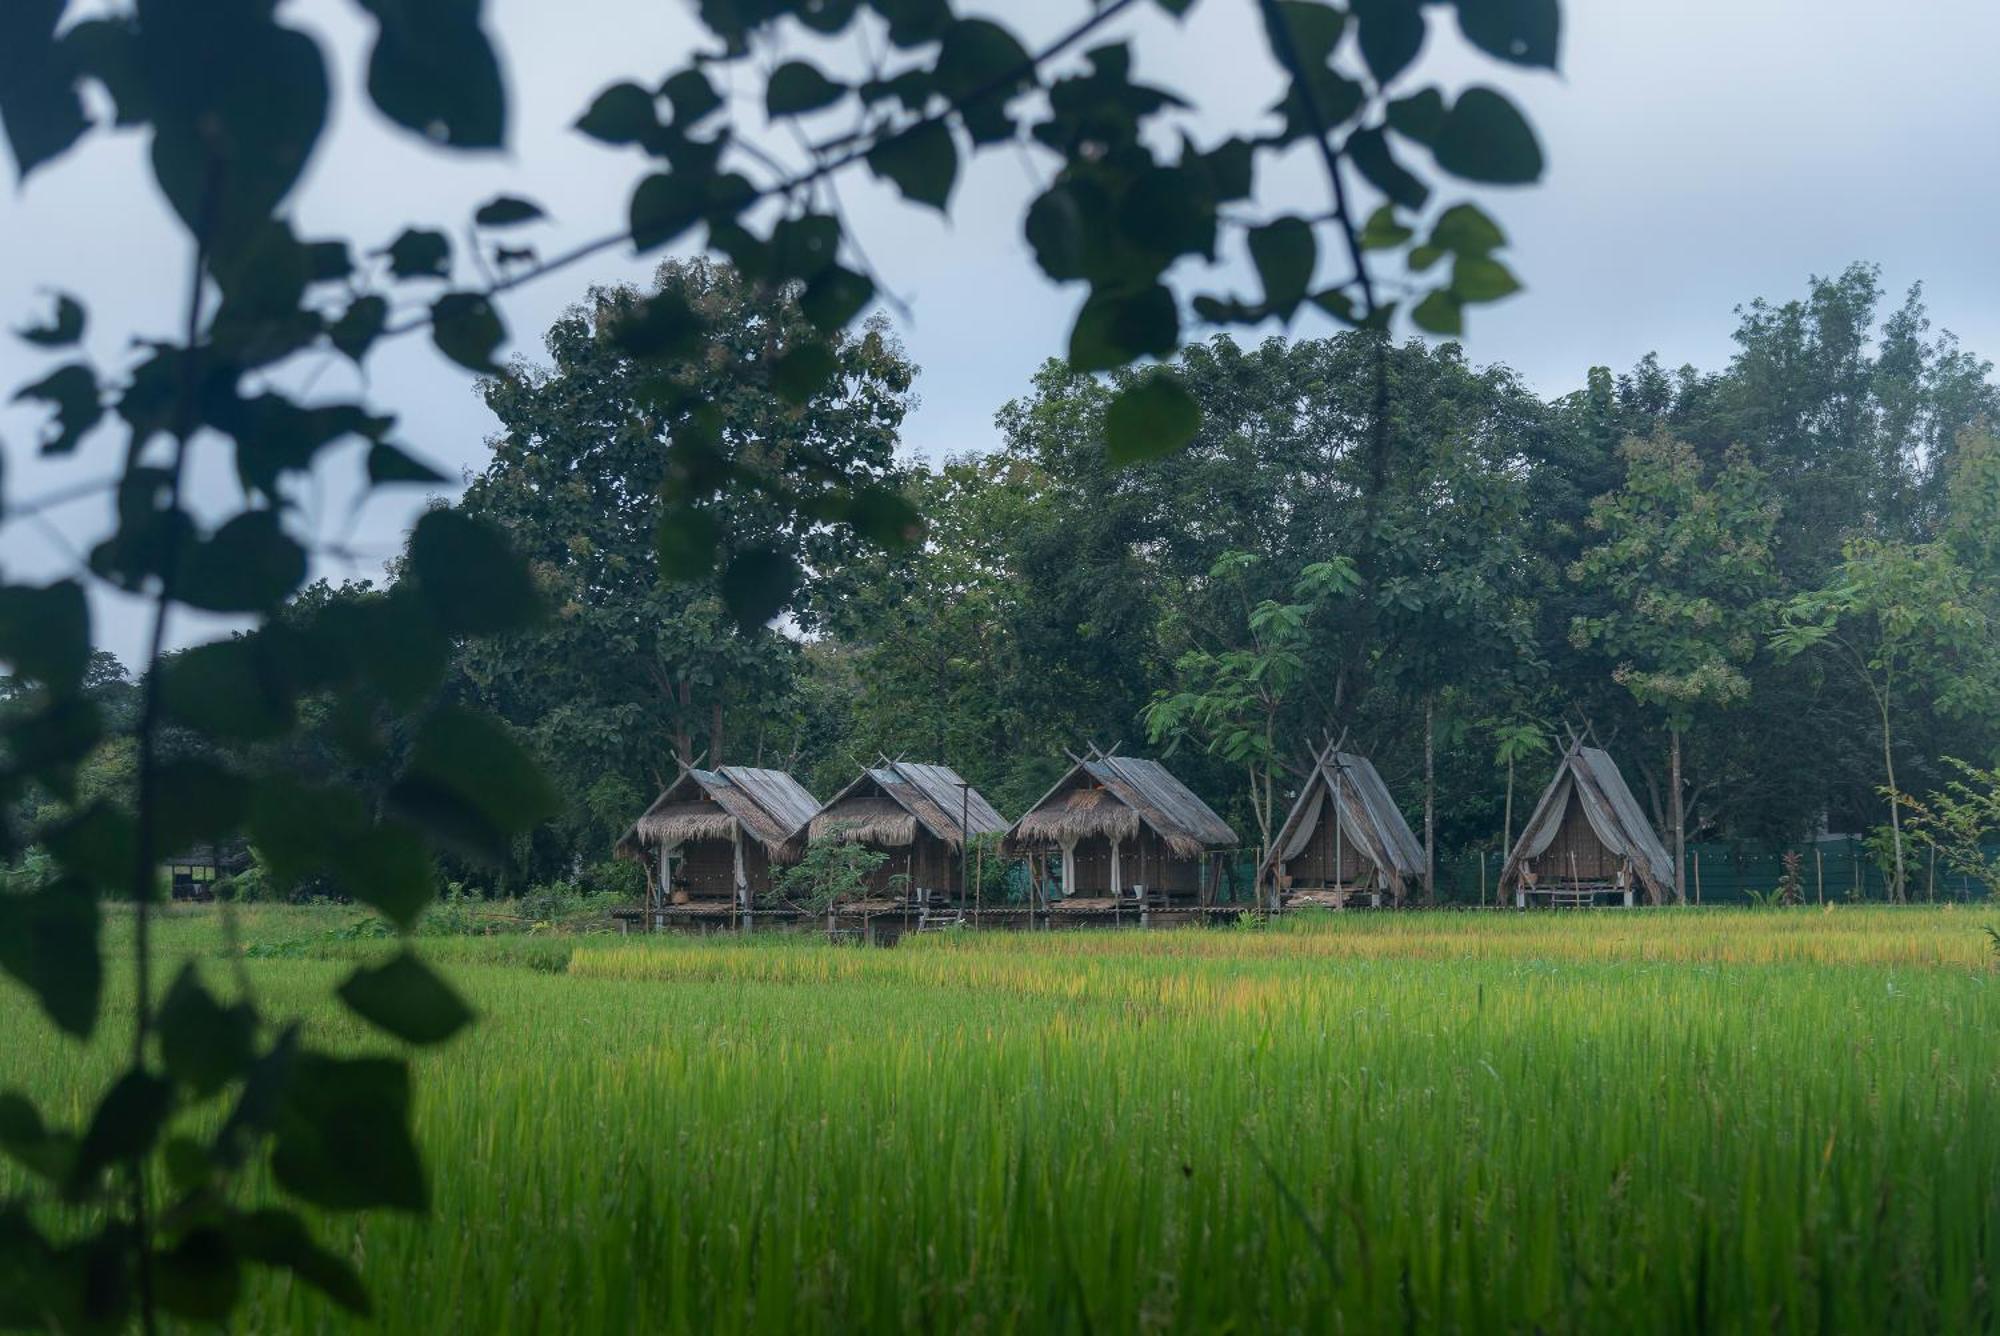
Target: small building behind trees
1344 837
1587 838
920 817
1122 828
710 841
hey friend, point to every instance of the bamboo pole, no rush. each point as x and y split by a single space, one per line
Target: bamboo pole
1819 872
1697 876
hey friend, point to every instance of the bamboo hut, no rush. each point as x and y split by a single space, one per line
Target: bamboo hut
1587 838
1121 828
1344 837
919 816
710 840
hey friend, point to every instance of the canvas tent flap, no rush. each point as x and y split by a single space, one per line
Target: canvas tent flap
1590 776
1307 823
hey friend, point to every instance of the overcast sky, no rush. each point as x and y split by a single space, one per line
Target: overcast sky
1700 154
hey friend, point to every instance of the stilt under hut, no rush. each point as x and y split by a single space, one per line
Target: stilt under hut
1344 838
709 842
1121 831
1586 840
918 815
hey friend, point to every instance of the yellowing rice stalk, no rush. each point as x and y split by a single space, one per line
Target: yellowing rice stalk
1657 1121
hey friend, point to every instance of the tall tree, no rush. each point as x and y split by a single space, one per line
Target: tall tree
1905 618
1688 570
641 668
1234 692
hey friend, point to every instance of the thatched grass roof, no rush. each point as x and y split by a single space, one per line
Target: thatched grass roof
864 821
1080 814
767 806
888 804
1145 791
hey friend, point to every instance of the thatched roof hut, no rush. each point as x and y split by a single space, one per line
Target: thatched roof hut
919 814
1105 803
721 830
1343 833
1588 834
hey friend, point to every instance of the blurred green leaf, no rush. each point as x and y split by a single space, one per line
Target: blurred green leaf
1382 231
98 844
1284 252
204 1045
834 297
469 576
127 1123
343 1137
231 690
1115 328
922 162
65 329
38 99
279 1239
1476 278
470 785
40 1150
685 543
405 998
392 464
1419 116
1369 150
1485 139
884 516
797 87
45 631
508 211
359 326
198 800
250 564
1439 313
72 391
803 372
663 207
419 252
49 943
691 95
623 113
467 329
1526 32
1464 230
198 1277
237 103
433 71
1392 32
1157 416
756 585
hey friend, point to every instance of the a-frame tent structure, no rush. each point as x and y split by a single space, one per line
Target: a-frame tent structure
1344 837
1586 837
712 836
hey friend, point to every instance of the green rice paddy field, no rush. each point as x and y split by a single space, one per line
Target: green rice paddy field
1688 1120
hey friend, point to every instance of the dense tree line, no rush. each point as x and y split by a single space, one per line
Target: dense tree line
1774 579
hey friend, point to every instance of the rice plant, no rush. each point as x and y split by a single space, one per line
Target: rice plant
1660 1121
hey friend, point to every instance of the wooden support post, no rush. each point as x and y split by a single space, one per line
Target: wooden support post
1819 872
1697 876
